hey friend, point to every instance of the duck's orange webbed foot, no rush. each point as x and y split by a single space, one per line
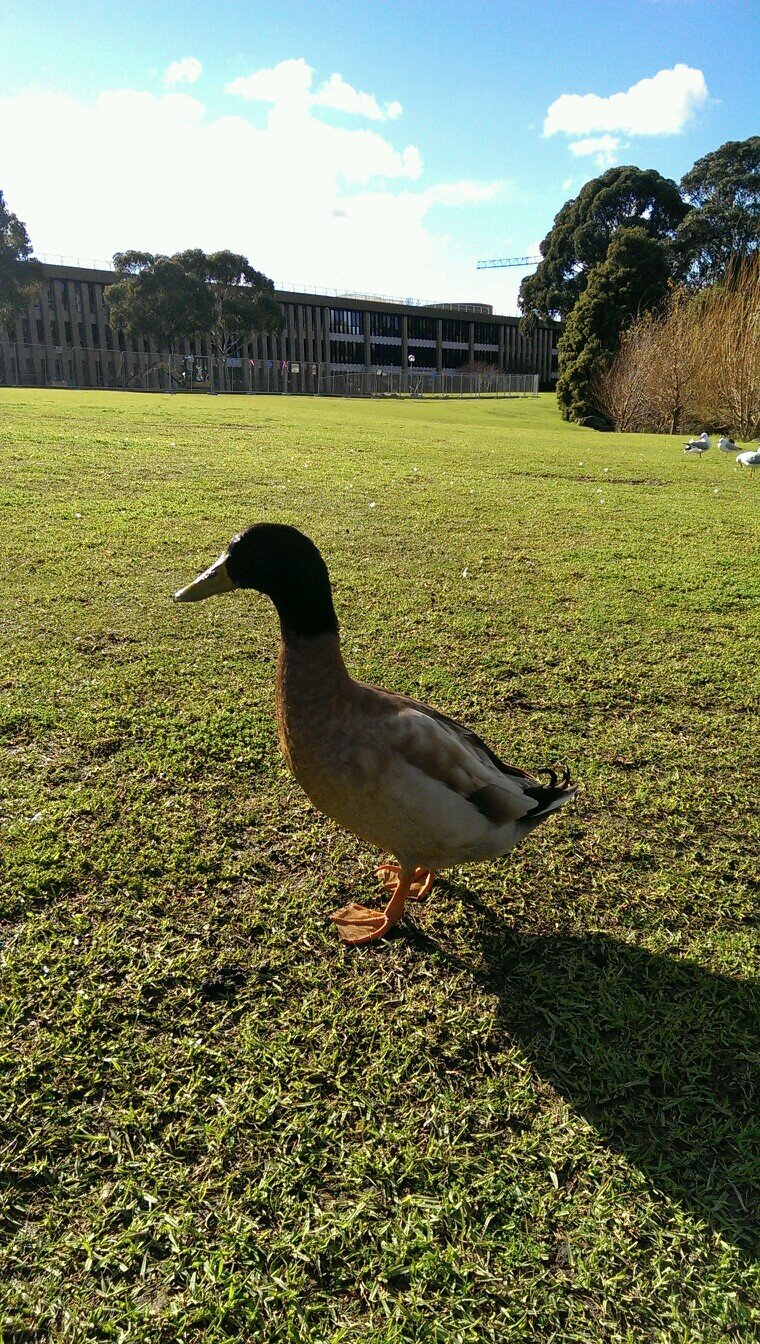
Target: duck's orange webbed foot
358 924
422 880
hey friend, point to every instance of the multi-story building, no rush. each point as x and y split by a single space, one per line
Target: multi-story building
65 339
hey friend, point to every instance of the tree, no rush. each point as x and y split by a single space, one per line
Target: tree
242 298
623 197
724 227
157 296
632 279
19 276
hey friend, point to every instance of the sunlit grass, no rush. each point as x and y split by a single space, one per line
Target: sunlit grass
531 1114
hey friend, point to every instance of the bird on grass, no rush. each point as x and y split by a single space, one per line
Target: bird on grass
751 458
726 445
700 445
392 770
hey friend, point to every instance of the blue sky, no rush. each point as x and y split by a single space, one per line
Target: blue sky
363 146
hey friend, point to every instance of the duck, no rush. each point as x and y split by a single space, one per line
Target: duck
750 458
700 445
726 445
401 776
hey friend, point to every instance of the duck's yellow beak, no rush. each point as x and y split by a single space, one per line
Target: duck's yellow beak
213 580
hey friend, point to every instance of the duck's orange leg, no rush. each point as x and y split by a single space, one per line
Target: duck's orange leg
358 924
422 880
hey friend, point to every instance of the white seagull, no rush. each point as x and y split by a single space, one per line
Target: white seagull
726 445
749 459
699 445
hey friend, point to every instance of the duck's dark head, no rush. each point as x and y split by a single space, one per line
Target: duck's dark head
281 562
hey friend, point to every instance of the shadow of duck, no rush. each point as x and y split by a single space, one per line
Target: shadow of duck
659 1054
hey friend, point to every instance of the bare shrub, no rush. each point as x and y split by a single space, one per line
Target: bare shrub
696 362
729 371
673 361
620 389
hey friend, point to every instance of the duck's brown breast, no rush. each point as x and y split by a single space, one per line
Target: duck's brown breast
322 731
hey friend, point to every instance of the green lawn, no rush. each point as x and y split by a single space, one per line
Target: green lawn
529 1115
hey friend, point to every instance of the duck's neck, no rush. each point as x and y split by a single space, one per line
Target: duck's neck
312 681
313 659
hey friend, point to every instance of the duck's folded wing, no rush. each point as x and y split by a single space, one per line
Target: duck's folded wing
456 758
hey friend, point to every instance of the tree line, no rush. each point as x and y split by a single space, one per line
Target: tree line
632 244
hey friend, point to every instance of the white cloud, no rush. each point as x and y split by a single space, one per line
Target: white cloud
186 71
603 147
661 105
463 193
352 212
286 82
342 97
290 82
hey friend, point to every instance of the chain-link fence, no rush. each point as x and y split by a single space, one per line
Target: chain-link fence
39 365
429 384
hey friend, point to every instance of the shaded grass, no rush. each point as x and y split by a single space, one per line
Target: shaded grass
532 1114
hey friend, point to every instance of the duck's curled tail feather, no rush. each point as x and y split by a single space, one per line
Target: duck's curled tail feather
549 797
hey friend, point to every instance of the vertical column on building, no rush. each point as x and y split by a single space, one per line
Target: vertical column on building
439 345
296 352
60 319
83 319
105 353
308 347
76 345
37 346
274 385
291 350
313 346
301 335
48 330
471 343
22 353
404 342
326 339
92 315
259 377
5 347
502 348
367 347
275 348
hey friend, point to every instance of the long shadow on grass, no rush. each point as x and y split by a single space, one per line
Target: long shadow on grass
659 1055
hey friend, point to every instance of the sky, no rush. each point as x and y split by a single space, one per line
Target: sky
368 147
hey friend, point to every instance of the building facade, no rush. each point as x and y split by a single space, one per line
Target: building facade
65 339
